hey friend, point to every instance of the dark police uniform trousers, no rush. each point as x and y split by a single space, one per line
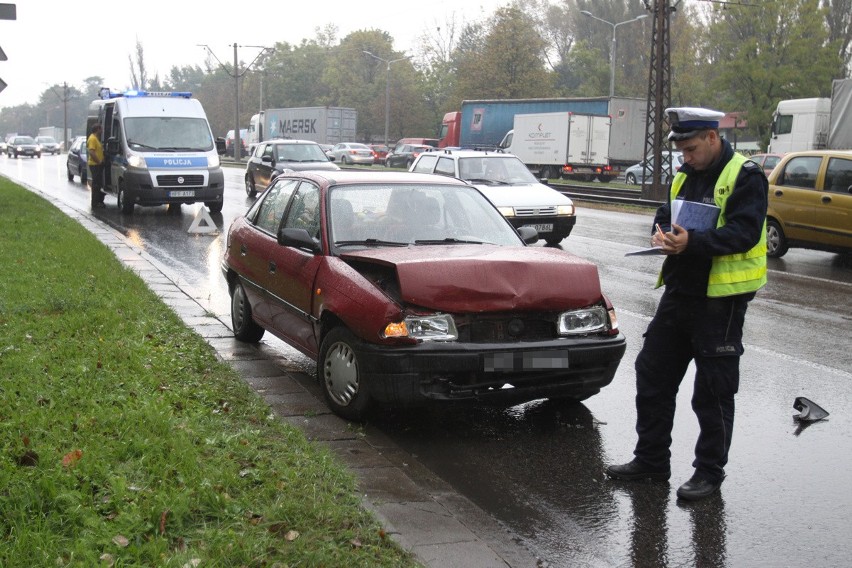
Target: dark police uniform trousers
685 328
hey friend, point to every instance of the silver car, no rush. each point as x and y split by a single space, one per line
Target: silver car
643 172
352 153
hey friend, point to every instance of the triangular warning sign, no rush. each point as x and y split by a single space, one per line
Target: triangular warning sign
203 223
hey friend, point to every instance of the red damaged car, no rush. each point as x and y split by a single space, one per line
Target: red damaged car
409 288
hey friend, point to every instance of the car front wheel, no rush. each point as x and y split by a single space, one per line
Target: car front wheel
776 242
245 328
631 179
345 388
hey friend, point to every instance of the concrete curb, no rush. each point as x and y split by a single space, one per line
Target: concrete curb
422 513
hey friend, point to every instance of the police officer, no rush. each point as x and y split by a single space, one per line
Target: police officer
96 165
710 275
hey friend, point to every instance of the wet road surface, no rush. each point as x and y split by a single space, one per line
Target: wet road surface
537 468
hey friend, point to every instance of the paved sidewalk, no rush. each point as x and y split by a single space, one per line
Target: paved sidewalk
419 510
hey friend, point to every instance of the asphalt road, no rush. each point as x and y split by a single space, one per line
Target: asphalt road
537 468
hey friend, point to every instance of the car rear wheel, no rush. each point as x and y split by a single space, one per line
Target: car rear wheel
776 242
70 173
245 328
345 388
251 189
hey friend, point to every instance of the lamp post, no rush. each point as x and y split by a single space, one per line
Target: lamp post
387 87
612 51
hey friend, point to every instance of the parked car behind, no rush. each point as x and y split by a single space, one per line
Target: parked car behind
48 144
410 289
272 157
229 143
510 186
348 153
23 146
78 157
766 161
403 156
643 172
380 153
810 202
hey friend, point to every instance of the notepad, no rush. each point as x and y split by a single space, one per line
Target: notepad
694 216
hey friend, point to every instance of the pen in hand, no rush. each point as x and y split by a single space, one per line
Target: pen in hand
660 235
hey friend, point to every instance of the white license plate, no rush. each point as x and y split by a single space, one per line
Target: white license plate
543 228
181 194
527 361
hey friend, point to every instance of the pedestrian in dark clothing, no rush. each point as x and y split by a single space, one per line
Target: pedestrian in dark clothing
96 165
710 274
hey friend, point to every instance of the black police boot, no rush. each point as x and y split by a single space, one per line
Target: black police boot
698 487
636 470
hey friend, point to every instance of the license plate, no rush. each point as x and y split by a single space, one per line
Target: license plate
543 228
526 361
181 194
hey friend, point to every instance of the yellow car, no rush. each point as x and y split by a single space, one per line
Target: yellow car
810 202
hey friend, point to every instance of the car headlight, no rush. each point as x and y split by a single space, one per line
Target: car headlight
582 322
565 209
438 327
213 161
136 161
506 211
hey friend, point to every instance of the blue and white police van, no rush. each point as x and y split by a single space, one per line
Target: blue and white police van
158 148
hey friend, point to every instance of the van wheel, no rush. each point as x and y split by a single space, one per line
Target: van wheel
215 206
776 242
344 386
251 190
125 206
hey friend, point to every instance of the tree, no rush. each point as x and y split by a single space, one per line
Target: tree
761 52
839 21
506 62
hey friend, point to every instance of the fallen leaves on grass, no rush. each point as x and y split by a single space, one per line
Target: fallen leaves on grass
71 458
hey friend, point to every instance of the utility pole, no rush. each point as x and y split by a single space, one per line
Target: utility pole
64 99
237 75
659 95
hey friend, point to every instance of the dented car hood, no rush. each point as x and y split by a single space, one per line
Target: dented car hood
487 278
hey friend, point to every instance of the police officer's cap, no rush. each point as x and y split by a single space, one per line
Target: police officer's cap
687 122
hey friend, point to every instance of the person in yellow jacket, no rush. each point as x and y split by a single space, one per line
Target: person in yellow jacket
710 274
96 165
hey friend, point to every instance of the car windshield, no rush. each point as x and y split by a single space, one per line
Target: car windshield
46 140
366 215
168 133
300 153
494 170
24 140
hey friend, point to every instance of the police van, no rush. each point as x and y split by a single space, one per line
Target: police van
158 149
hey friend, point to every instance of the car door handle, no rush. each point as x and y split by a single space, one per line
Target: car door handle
779 193
272 267
826 199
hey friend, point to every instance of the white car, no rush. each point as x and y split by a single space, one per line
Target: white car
507 182
48 144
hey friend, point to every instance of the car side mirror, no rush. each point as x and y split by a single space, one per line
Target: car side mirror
298 238
266 159
220 145
112 146
528 235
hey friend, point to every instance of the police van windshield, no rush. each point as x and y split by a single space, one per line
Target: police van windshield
167 134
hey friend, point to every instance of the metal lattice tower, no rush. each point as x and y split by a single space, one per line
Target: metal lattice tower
659 94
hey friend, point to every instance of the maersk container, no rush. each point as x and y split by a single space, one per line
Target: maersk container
323 125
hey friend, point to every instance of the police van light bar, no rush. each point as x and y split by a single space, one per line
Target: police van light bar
106 93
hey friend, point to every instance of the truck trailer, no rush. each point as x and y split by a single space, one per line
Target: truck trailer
323 125
814 123
484 124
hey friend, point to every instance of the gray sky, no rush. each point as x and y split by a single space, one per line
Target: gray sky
56 41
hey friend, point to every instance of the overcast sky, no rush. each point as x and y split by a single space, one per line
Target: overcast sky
61 41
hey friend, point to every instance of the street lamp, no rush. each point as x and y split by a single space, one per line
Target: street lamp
387 87
612 51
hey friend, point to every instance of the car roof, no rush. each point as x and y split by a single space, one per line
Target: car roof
468 153
288 141
837 153
337 177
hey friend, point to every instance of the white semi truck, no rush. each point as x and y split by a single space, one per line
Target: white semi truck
814 123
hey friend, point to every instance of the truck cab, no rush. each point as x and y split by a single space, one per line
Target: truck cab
159 149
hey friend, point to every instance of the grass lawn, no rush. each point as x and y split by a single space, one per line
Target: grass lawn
125 442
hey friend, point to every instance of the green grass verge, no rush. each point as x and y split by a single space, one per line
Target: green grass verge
123 441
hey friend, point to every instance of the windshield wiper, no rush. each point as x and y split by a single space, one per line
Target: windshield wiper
487 181
370 242
141 145
449 240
